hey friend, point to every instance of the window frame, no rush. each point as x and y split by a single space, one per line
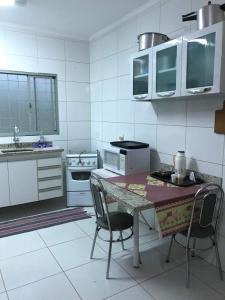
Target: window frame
35 75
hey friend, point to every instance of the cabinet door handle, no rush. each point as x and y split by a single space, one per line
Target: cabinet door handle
166 94
139 97
199 90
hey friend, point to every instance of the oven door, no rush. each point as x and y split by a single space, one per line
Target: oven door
78 179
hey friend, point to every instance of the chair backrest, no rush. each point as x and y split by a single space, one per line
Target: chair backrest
99 198
207 206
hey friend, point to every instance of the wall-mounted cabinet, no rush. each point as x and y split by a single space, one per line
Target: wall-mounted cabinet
203 61
167 69
190 65
141 70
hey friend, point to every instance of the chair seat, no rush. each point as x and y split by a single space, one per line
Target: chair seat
118 221
200 232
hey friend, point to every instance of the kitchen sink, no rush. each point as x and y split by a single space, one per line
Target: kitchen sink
15 150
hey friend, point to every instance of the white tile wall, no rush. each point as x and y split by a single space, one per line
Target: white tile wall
167 126
70 61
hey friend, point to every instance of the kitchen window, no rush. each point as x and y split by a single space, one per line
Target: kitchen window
29 101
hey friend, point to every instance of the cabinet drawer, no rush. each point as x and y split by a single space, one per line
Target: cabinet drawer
49 173
50 194
45 184
47 162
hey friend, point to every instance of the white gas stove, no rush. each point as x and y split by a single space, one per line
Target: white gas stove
78 171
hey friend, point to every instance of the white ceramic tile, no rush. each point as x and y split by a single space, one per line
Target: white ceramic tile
199 3
77 146
62 111
2 287
125 111
75 253
79 130
133 293
63 145
170 139
109 44
52 66
109 89
78 111
208 274
96 71
146 133
96 91
127 36
27 268
204 167
109 131
78 91
204 144
78 72
201 112
96 146
153 263
77 51
171 15
125 130
51 48
172 112
109 67
98 286
53 288
87 225
123 61
19 244
109 111
96 111
61 90
124 87
96 130
149 21
62 136
20 43
96 50
60 233
173 283
20 63
3 296
145 113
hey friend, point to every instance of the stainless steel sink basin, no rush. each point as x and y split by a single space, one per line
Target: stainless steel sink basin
15 150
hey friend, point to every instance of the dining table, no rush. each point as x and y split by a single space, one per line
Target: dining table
139 192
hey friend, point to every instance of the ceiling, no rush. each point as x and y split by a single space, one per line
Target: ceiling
75 18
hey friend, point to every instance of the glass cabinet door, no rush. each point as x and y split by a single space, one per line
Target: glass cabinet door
166 62
200 61
140 75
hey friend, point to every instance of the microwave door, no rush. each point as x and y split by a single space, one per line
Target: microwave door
111 160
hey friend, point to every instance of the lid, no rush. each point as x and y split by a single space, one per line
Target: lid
129 144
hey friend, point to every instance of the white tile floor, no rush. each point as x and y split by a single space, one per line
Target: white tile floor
54 264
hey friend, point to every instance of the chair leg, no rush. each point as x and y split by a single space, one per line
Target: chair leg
218 258
170 248
187 266
140 261
194 246
94 241
109 256
121 238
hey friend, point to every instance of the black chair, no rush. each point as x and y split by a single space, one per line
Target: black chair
110 221
206 210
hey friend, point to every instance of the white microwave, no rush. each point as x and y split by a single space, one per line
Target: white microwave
126 161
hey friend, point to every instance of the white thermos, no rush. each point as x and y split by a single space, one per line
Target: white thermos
180 164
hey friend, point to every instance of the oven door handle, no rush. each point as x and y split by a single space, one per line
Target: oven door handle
75 169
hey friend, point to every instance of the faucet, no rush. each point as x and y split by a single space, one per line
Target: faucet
15 137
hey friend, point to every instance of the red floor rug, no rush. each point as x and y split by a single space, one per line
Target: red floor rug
44 220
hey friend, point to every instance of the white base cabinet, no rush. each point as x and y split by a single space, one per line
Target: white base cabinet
4 190
30 180
23 181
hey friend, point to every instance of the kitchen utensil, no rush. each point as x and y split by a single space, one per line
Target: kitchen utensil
207 15
180 164
150 39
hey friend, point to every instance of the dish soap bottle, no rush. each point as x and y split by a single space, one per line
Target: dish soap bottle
180 164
